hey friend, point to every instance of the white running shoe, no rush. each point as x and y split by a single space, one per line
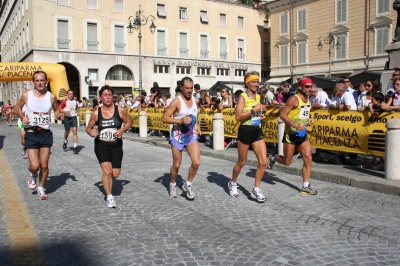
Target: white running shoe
32 182
189 191
172 191
257 194
233 189
41 193
110 201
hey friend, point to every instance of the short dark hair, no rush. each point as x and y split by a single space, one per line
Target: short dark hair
284 84
106 87
378 96
38 72
197 86
186 79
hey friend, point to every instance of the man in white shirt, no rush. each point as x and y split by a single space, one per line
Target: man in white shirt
343 100
319 99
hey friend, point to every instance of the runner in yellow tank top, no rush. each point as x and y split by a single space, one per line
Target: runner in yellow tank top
296 116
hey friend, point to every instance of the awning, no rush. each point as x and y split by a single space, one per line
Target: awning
277 80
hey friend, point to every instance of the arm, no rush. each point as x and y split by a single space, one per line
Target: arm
230 103
172 108
92 123
291 103
54 105
197 128
18 108
127 122
240 115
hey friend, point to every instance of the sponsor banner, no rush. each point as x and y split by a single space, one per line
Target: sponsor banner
269 126
82 114
231 126
205 118
134 114
154 116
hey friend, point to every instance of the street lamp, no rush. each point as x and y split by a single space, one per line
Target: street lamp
136 23
331 41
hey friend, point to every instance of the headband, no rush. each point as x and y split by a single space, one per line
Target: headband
304 81
251 77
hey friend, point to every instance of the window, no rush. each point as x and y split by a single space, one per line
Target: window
119 44
241 23
60 2
183 14
266 50
222 20
341 11
62 34
93 74
183 70
204 71
183 50
161 11
381 39
283 55
119 6
301 52
161 69
302 20
203 46
91 4
239 72
161 49
382 7
223 71
283 18
92 43
341 46
265 74
222 48
240 45
119 73
203 17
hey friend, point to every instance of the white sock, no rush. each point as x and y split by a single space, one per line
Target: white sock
75 144
257 189
188 183
233 184
65 141
172 184
110 196
305 184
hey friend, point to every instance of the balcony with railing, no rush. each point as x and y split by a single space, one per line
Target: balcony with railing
161 50
203 54
92 45
119 47
241 56
63 43
183 52
223 55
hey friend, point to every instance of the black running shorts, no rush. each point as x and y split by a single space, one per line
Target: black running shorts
41 139
70 122
109 152
249 134
293 139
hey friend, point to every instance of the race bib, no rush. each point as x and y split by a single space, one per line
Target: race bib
72 108
41 119
107 134
304 112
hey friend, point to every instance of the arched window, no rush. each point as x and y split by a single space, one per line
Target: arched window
119 73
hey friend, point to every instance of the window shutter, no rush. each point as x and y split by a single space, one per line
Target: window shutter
62 26
222 47
386 5
62 2
118 6
203 17
240 22
222 20
119 34
91 4
183 40
92 32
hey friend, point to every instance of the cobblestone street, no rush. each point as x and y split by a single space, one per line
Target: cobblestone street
342 225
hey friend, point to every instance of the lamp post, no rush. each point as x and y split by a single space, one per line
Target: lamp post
135 23
331 41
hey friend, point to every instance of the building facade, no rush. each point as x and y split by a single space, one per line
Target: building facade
204 39
329 37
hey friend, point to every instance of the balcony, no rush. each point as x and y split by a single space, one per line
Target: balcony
92 45
223 55
183 52
63 44
161 50
119 47
203 54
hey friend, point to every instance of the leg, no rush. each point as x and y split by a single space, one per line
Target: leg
288 152
66 133
243 149
44 165
176 163
260 149
107 177
33 156
193 149
75 134
305 151
22 135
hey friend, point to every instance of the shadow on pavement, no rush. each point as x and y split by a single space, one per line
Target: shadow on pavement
272 179
117 187
62 253
165 180
2 141
222 181
55 182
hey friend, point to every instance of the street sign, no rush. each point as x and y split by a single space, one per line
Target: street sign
135 89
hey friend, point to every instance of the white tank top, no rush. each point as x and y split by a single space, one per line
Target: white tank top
185 133
186 110
38 110
225 103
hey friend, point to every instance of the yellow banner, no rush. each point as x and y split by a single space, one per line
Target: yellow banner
154 116
82 114
206 121
134 114
270 126
231 126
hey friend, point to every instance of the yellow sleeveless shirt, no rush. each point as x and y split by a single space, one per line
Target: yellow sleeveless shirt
299 115
249 102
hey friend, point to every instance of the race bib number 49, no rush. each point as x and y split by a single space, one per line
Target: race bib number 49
304 111
41 119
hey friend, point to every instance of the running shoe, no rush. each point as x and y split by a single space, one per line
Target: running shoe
271 162
257 194
110 201
23 151
308 190
189 191
233 189
32 182
65 145
75 150
41 192
172 191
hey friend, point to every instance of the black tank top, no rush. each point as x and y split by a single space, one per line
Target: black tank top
106 127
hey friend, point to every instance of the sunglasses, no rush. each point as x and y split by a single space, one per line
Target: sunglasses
308 86
368 85
347 81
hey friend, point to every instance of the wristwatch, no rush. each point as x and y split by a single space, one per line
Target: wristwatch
252 110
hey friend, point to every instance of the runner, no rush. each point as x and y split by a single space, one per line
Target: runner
296 116
69 107
8 109
38 137
21 130
249 112
106 125
182 114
